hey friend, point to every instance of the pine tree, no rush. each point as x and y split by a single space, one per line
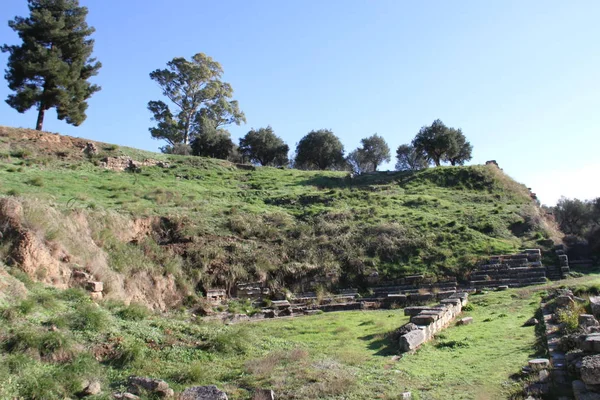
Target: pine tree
51 67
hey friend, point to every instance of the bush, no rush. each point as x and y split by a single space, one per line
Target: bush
134 312
228 340
468 307
88 317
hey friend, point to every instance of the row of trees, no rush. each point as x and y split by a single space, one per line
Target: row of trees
203 106
51 68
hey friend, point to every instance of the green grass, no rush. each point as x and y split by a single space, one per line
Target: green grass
338 355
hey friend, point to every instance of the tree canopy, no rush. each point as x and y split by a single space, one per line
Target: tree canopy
197 94
409 159
441 143
211 141
373 152
321 150
51 67
263 147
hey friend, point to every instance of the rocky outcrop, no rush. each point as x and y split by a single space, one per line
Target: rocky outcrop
124 163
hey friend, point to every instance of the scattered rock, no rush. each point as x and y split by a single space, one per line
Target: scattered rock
564 301
531 322
203 393
406 396
587 320
465 321
590 370
138 385
263 394
92 389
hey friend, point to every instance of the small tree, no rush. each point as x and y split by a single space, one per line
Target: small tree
212 142
319 150
574 216
195 90
434 141
460 149
51 67
374 151
409 159
263 147
357 162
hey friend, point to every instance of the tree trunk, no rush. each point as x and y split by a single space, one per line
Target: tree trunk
40 119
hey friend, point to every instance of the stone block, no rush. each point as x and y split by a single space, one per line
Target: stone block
93 286
502 287
412 340
203 393
423 319
538 364
590 370
591 343
406 396
465 321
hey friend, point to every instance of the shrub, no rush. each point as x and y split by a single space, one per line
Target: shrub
228 340
88 317
130 353
468 307
74 295
134 312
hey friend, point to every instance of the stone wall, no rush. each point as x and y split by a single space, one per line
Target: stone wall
425 322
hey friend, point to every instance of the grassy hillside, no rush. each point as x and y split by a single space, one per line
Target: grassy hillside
213 223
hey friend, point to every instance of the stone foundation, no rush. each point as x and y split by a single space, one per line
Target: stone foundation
425 322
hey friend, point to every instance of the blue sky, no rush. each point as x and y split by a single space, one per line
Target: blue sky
521 78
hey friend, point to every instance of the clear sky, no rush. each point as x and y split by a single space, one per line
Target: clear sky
521 78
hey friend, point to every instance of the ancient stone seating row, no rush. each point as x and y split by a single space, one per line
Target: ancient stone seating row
513 270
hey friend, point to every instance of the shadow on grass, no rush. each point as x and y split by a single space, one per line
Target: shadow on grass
360 181
384 345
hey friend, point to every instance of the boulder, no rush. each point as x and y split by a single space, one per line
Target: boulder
406 396
93 388
502 287
590 370
412 340
263 394
203 393
465 321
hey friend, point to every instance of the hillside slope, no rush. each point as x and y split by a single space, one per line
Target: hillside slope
172 225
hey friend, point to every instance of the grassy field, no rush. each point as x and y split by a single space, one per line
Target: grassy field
343 355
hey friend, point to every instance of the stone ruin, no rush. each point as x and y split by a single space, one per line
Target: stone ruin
216 296
425 322
124 163
86 280
512 270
